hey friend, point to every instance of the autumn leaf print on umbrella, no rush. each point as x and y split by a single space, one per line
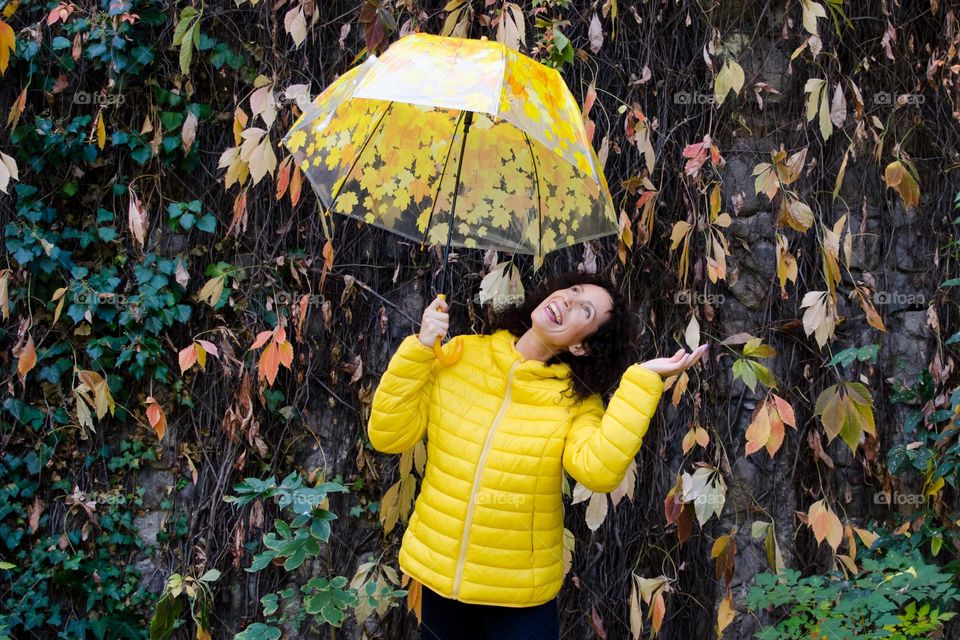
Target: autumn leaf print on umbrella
458 142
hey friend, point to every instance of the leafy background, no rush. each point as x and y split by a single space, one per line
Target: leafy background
181 323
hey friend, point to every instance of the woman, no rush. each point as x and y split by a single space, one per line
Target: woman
521 405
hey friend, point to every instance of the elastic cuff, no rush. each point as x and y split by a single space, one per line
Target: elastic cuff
412 347
647 378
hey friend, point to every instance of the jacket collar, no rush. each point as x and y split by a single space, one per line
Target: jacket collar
505 354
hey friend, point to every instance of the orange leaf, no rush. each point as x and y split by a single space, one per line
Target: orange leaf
27 359
156 416
759 430
239 220
17 108
269 363
261 340
776 434
414 598
296 183
187 357
785 409
8 45
659 610
825 524
327 261
283 177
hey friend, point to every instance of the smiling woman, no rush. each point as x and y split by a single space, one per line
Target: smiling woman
593 337
503 423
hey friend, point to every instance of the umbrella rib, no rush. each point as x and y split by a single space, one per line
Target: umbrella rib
443 172
536 184
356 160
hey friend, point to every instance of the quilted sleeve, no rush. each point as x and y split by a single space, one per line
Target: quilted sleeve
398 415
601 444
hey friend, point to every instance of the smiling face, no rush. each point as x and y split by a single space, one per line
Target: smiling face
567 317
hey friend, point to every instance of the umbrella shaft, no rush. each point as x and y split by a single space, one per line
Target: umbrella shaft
468 120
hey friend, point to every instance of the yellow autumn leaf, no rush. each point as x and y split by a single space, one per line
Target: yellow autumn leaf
868 537
5 294
212 290
725 613
899 178
60 298
8 45
680 229
101 131
729 78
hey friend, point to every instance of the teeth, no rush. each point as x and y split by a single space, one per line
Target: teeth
556 311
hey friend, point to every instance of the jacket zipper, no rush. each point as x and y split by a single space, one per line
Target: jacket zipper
476 481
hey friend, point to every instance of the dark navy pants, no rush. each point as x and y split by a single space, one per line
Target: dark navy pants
445 619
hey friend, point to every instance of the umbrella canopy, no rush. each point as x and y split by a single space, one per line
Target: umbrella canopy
442 129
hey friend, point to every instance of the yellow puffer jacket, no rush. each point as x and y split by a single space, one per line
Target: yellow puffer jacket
487 527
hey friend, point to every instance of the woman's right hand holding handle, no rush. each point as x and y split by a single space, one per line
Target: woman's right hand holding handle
434 323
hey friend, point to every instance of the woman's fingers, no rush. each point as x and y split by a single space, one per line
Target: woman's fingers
435 321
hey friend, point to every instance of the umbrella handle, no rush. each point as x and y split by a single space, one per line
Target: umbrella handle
447 359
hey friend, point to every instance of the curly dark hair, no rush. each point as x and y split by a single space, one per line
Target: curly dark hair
609 348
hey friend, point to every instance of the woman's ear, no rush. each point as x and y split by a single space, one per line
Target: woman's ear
578 349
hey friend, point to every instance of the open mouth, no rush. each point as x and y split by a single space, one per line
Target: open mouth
554 311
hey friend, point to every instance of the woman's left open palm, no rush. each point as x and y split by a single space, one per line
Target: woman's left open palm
681 360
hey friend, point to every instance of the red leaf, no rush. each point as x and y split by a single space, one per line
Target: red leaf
597 623
283 176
